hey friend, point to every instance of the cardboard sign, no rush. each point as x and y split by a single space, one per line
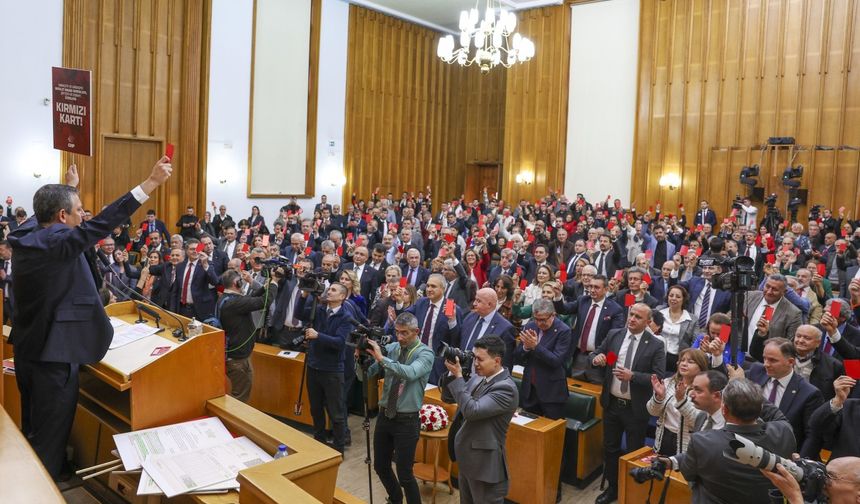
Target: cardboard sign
611 358
629 300
449 308
72 110
852 368
725 333
768 313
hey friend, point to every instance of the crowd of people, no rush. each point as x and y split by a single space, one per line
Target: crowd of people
629 299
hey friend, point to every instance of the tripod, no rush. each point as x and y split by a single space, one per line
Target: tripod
739 325
297 409
365 424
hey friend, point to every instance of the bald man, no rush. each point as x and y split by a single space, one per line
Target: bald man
483 320
843 486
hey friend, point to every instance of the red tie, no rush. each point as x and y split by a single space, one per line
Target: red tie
425 334
586 329
185 283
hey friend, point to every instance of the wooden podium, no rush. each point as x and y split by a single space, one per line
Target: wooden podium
276 383
630 491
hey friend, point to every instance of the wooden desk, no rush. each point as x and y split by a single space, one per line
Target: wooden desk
631 492
276 384
533 453
25 478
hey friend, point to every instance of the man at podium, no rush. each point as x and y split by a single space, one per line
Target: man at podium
60 323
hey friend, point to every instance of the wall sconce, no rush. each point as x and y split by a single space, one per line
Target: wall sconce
525 178
670 181
222 181
37 174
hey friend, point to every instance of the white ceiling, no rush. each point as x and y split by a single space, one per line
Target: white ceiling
443 15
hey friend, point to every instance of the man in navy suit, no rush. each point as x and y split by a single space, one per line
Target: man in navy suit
60 323
413 272
191 295
152 225
596 315
786 389
543 350
608 257
705 215
483 320
660 286
434 326
368 277
706 299
507 266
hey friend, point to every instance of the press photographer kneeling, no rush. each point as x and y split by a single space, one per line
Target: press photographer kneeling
407 364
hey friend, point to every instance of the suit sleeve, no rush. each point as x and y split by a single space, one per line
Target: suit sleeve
688 461
557 356
658 365
336 340
73 242
498 400
812 403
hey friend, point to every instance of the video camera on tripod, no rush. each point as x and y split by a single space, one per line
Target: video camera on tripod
362 335
738 273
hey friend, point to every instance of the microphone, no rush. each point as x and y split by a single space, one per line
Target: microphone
179 333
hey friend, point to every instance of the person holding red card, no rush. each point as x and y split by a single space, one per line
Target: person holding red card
626 389
669 393
770 315
636 288
842 339
839 420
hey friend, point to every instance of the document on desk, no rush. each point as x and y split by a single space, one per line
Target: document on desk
521 419
124 333
190 471
134 447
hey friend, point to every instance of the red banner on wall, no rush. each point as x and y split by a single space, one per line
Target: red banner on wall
72 110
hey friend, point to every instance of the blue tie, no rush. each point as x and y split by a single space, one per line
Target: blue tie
706 303
475 333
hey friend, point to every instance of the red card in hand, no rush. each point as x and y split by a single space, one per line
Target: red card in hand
835 308
340 250
509 245
610 226
449 308
699 228
307 236
768 313
822 269
403 282
725 332
629 300
842 247
200 247
265 240
308 251
852 368
771 258
649 253
523 284
400 248
148 239
684 250
438 227
699 251
128 247
168 151
611 359
246 247
349 237
562 275
646 278
619 274
480 234
450 239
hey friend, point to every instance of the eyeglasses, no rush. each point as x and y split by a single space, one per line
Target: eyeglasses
543 319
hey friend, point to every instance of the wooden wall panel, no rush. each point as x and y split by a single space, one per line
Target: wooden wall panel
536 105
718 77
150 64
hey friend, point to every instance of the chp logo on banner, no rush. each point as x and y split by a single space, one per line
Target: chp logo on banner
72 108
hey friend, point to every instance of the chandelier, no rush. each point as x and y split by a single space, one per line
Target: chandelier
485 42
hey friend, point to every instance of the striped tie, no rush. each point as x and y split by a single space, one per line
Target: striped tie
706 304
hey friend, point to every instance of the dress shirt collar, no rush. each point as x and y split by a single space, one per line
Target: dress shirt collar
488 379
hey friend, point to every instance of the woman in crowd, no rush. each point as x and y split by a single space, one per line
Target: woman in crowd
256 221
476 265
678 325
148 285
672 433
378 312
350 280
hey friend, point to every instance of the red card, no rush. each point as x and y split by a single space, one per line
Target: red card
509 245
699 251
835 308
128 247
646 278
340 250
246 247
725 332
842 247
611 358
699 228
242 265
400 248
403 281
307 251
450 239
852 368
610 226
619 274
523 284
480 234
649 253
393 227
449 308
307 236
349 237
785 223
768 313
629 300
684 250
844 233
200 247
101 243
147 241
168 151
771 258
438 227
822 270
562 275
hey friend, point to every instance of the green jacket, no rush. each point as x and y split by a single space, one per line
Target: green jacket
414 375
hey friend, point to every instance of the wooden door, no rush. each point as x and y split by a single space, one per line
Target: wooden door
127 162
479 176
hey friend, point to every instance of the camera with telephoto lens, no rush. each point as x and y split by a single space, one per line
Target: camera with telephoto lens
313 282
656 471
738 202
451 354
738 273
362 335
810 475
770 201
815 212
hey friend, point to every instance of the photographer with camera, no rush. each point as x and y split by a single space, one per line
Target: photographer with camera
326 342
234 311
406 364
842 487
285 326
485 406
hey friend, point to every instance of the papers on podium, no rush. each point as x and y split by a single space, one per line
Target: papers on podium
125 333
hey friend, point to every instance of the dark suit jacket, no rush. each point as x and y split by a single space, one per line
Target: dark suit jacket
204 300
658 290
497 271
463 290
369 280
614 260
650 359
326 352
785 320
611 316
839 427
498 325
421 274
649 300
163 286
709 217
825 368
544 365
798 402
279 313
58 313
722 299
714 478
441 332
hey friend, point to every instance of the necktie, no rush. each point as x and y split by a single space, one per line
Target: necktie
828 347
706 304
425 334
185 283
628 362
410 275
600 264
773 389
709 424
394 393
475 333
586 329
172 275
